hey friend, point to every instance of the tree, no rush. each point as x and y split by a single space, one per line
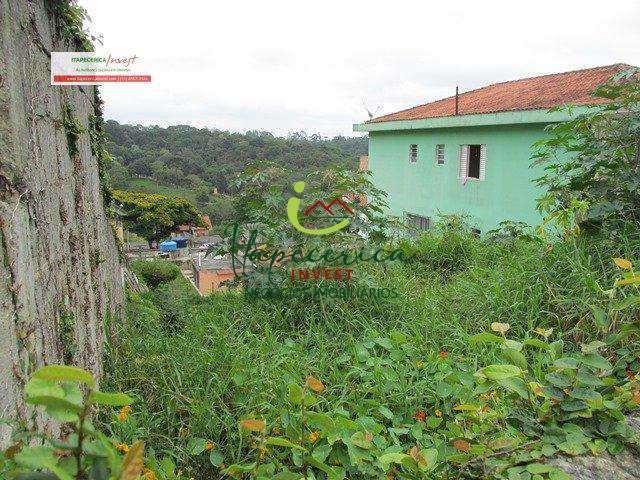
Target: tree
592 161
187 156
154 217
263 221
220 209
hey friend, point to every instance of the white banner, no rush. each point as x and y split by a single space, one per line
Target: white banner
96 68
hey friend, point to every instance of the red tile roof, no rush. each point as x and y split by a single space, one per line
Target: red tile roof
533 93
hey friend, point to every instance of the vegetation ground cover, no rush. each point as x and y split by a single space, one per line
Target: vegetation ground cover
204 365
496 354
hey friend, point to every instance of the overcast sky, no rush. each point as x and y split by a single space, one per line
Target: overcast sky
288 65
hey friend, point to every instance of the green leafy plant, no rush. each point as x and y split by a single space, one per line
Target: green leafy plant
73 129
504 418
72 29
592 161
446 252
69 396
464 364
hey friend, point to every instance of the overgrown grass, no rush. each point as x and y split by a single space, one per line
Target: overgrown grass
227 357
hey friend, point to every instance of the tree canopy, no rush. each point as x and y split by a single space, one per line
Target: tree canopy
203 164
186 156
592 162
152 216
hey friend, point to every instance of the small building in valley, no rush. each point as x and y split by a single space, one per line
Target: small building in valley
471 153
189 230
209 273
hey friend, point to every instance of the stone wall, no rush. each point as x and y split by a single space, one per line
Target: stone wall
60 273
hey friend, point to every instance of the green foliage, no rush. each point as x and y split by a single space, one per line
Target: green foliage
592 161
67 395
264 189
509 231
72 18
220 208
447 252
190 162
478 423
154 217
172 299
171 156
73 129
261 201
97 139
468 368
155 272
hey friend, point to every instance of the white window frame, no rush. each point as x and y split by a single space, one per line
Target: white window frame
440 154
463 169
413 153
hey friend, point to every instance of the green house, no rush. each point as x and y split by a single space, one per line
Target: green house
471 153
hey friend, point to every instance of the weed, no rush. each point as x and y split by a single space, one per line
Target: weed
397 369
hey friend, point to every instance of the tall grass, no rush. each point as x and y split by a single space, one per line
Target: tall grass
232 357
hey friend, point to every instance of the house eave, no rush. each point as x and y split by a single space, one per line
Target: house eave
515 117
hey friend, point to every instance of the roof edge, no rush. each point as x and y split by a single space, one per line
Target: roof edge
621 66
512 117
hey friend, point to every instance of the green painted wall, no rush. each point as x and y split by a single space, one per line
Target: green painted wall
424 188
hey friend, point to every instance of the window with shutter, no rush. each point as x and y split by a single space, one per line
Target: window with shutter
483 161
473 169
464 161
473 162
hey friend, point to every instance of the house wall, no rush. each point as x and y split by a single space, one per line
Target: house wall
209 281
424 188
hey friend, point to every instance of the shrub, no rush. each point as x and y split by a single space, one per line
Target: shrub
449 250
156 272
68 395
172 299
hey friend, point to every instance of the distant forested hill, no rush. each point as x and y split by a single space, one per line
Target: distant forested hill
185 156
190 162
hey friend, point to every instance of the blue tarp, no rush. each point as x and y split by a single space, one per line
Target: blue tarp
168 246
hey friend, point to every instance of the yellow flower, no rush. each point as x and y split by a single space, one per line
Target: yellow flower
313 437
208 446
124 411
122 447
149 474
622 263
314 384
438 413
